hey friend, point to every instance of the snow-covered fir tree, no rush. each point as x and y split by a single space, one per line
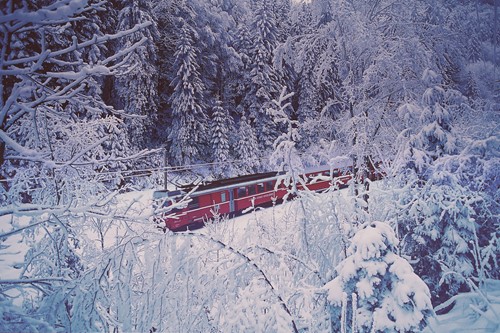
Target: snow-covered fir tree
471 89
136 89
221 127
440 209
376 290
263 85
432 138
247 147
189 120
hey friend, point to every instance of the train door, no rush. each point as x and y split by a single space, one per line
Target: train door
231 200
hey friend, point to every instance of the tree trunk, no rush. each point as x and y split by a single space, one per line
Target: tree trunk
6 40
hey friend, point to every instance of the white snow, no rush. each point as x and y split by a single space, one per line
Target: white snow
246 231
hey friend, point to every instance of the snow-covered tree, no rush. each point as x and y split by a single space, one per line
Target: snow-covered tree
471 89
263 85
433 137
221 129
136 90
376 290
55 134
189 119
285 156
13 319
242 45
247 147
441 209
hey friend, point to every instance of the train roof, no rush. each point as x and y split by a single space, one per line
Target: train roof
216 184
233 181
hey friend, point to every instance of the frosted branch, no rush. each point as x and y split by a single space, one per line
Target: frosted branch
36 280
253 264
32 154
77 46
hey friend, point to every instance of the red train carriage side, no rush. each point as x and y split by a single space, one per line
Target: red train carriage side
229 197
233 196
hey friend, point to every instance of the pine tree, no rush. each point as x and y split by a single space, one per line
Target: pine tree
472 91
136 89
247 147
474 48
242 44
282 10
263 85
376 290
221 129
433 137
189 123
438 221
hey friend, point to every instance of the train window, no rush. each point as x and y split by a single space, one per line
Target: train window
242 192
270 185
194 203
223 197
251 190
260 188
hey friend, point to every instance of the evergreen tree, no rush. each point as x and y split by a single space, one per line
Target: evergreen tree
282 11
136 90
474 48
242 44
247 147
221 128
439 223
435 138
189 123
164 12
471 91
376 290
263 85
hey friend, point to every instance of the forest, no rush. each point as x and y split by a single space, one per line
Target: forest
99 99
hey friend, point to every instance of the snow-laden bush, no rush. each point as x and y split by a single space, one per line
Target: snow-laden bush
376 290
12 319
445 203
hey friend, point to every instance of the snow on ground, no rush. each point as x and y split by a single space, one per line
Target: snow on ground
245 230
483 311
464 316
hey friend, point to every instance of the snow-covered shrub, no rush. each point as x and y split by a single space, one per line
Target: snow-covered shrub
57 140
376 290
12 319
444 201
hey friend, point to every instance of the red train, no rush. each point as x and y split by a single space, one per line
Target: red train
234 196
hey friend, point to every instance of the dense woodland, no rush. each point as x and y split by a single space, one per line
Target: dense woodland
98 97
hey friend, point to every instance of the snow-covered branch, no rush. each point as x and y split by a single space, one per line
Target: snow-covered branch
96 40
33 281
253 264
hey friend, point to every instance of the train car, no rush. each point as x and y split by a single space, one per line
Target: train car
234 196
228 197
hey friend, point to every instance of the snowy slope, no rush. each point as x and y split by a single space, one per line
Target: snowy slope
244 231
